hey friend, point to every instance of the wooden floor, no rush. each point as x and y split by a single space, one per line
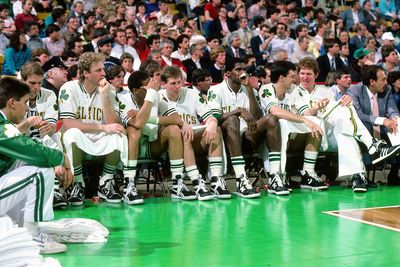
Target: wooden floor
385 217
290 231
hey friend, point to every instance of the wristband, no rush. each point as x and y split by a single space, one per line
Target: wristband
151 96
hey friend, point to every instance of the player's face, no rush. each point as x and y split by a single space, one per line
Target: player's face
19 109
96 73
118 81
205 85
173 87
307 78
34 82
237 71
289 79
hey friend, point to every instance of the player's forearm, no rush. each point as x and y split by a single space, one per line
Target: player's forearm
109 114
228 114
83 126
281 113
255 109
142 116
173 119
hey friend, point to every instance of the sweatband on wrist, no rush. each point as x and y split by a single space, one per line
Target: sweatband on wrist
151 96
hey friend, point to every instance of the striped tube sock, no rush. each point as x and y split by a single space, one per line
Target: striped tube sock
275 162
56 184
310 157
215 164
108 173
176 168
130 169
238 164
192 172
78 173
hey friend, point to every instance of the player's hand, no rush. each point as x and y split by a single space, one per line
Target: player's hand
315 129
391 125
114 128
211 132
47 128
64 173
34 121
251 122
187 133
104 86
131 113
320 104
153 84
346 100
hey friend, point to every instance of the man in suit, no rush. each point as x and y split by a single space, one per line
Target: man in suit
353 17
330 61
244 33
233 50
222 25
97 35
194 62
259 45
370 15
376 107
358 40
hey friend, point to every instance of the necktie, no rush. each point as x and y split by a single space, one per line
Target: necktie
237 53
346 62
333 65
375 112
123 48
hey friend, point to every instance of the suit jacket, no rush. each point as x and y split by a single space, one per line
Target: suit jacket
88 47
231 55
355 43
216 27
190 67
348 20
368 18
362 104
255 43
325 67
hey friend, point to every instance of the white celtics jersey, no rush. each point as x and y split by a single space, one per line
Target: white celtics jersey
76 103
320 92
190 105
126 102
46 107
293 101
222 99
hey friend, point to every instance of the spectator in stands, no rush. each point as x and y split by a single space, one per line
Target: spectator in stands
75 45
210 13
151 7
163 15
121 47
4 41
280 55
301 30
308 20
358 40
9 25
26 16
218 57
40 55
302 51
127 60
244 33
97 35
104 46
390 59
57 17
388 9
17 54
388 40
31 29
260 43
257 9
371 16
222 25
72 29
18 9
282 41
120 9
166 47
182 53
394 82
344 57
329 61
353 17
69 58
233 50
77 12
195 61
53 43
140 42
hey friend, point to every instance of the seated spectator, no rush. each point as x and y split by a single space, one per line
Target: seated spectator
353 17
9 25
17 54
26 16
4 42
33 41
388 9
218 57
40 55
222 25
53 43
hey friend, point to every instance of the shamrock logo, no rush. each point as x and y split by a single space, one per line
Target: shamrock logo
211 96
201 99
63 95
300 93
122 106
55 106
266 93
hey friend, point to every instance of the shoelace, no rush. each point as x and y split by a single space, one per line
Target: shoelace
246 184
363 178
181 186
201 186
42 238
58 194
277 180
220 183
131 189
109 186
75 190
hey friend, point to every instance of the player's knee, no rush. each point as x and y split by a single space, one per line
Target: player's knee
173 132
231 124
270 121
133 134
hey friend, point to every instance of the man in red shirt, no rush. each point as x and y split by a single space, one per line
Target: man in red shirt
23 18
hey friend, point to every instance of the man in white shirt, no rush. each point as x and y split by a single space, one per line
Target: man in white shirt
281 41
163 15
121 47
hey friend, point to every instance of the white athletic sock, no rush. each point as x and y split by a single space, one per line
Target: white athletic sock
176 168
192 172
130 169
275 162
215 164
78 170
310 157
238 164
